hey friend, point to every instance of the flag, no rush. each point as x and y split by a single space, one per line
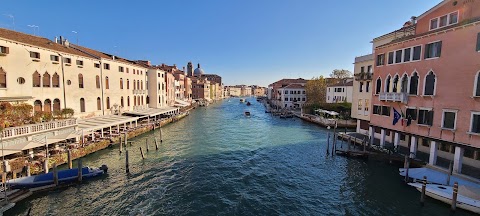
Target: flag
396 116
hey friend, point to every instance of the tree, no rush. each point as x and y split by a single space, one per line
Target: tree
316 90
340 74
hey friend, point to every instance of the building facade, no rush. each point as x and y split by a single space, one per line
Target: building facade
362 92
293 96
340 92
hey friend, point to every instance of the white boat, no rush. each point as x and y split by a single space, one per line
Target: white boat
468 198
242 100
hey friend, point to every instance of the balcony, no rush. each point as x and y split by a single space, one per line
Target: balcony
36 128
363 76
139 91
394 97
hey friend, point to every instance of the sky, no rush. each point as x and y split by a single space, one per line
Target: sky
252 42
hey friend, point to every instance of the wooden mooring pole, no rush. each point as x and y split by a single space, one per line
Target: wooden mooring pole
454 196
55 174
160 131
328 143
69 158
146 143
120 144
127 167
407 165
141 151
424 186
450 171
45 165
79 166
156 145
28 169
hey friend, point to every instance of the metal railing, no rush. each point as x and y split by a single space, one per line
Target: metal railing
394 97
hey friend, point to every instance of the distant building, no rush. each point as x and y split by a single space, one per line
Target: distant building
362 92
340 92
293 97
274 92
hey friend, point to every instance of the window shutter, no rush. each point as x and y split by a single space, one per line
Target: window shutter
439 47
478 42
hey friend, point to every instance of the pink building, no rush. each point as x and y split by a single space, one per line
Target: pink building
430 75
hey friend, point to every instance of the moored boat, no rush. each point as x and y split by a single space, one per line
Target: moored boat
468 198
247 113
242 100
64 176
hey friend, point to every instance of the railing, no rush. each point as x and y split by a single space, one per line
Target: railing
395 97
139 91
33 128
363 76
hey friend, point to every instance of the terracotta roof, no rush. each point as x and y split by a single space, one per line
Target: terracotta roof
38 42
342 84
295 86
103 55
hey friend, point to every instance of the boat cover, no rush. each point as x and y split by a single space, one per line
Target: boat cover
436 177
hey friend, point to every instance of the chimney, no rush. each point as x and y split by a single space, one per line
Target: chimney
56 39
413 19
61 40
113 57
66 43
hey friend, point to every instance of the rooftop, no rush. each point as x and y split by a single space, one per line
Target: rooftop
349 83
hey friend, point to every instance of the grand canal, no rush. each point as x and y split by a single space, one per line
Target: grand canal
218 162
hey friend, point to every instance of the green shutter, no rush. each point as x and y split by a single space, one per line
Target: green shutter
478 42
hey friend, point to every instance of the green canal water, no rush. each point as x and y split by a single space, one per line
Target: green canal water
218 162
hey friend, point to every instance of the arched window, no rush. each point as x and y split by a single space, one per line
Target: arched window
388 83
138 84
429 84
107 85
142 100
159 99
56 105
121 83
37 106
47 105
82 105
46 79
395 83
134 101
108 102
414 84
55 80
80 81
128 100
141 82
148 100
404 85
128 84
378 86
3 78
36 79
134 85
99 104
138 101
477 85
121 101
97 81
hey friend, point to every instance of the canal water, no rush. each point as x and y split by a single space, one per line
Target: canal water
216 161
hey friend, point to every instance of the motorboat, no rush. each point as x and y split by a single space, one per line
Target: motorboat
64 176
468 198
242 100
247 113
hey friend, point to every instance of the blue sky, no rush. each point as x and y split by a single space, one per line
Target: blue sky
244 41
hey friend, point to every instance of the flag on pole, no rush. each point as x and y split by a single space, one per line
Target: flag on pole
396 116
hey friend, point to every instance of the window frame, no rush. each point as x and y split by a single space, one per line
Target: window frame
428 110
4 50
382 63
426 50
476 85
448 20
471 123
425 84
454 122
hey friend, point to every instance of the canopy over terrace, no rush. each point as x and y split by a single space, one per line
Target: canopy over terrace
101 122
150 112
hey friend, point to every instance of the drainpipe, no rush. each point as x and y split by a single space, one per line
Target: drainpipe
63 82
101 85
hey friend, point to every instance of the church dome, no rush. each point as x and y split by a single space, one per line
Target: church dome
198 71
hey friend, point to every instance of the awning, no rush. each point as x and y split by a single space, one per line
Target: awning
327 112
152 111
100 122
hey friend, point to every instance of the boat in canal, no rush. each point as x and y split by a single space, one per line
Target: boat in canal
247 113
242 100
468 198
64 176
248 104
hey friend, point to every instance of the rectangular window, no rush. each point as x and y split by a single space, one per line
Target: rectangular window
128 71
68 60
411 113
433 50
386 110
398 56
425 117
390 57
120 69
449 118
475 123
417 52
367 104
478 42
362 69
97 65
360 105
367 87
79 62
361 87
369 70
407 55
35 55
4 50
106 66
54 58
433 24
380 59
453 18
443 21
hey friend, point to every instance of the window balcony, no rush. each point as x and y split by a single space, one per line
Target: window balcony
139 91
394 97
363 76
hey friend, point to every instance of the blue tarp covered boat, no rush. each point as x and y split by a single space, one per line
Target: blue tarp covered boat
64 176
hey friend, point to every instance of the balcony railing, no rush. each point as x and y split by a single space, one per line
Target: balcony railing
363 76
34 128
139 91
394 97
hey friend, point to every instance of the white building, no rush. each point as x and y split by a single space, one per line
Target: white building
293 97
362 92
340 92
